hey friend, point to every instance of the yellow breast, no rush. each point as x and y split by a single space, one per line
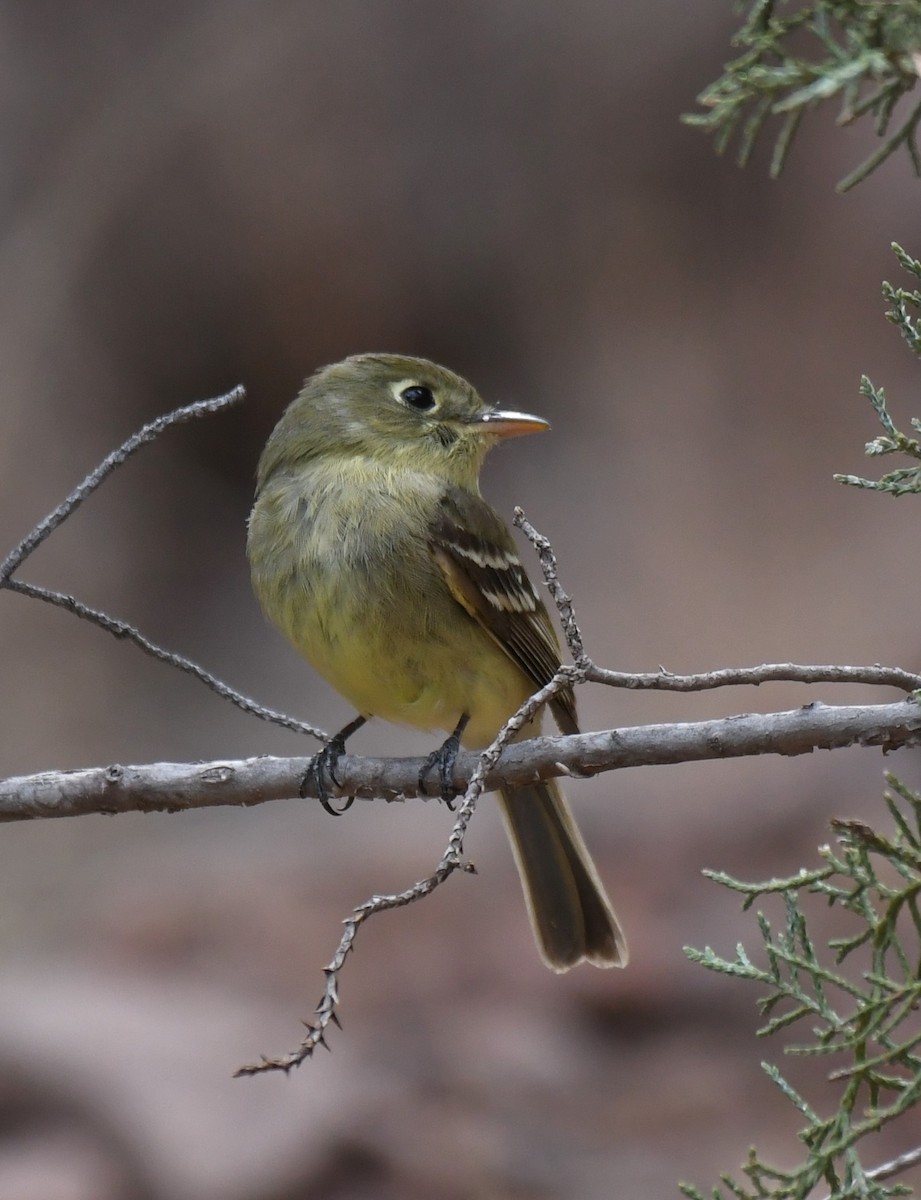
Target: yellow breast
341 564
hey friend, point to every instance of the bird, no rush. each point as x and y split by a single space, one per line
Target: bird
373 551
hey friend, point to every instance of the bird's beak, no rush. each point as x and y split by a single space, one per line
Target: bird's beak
502 423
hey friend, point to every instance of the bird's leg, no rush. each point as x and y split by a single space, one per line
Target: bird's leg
321 771
444 759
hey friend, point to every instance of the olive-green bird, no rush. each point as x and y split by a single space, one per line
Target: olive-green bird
372 549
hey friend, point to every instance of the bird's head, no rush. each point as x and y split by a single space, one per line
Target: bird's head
406 412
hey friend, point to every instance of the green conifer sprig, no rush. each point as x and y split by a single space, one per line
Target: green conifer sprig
862 53
905 305
854 1000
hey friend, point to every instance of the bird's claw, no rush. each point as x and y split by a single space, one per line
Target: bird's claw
444 759
321 772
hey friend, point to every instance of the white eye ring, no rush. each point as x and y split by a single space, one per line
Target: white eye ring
414 395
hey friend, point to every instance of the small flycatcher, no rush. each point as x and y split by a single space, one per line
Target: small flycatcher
373 551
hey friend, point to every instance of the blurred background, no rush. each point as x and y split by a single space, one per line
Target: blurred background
199 195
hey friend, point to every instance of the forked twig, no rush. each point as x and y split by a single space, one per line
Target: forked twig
452 860
118 628
666 681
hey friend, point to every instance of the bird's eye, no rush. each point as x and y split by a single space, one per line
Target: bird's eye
418 397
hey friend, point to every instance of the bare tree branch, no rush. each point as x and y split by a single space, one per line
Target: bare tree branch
118 628
150 431
129 633
664 681
451 861
176 787
561 599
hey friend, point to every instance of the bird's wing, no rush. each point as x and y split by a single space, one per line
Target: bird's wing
476 555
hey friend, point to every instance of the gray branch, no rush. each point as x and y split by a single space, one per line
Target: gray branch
175 787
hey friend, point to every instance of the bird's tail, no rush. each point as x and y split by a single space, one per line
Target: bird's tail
569 909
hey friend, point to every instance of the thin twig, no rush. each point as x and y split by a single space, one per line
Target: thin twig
452 860
121 629
894 1166
148 433
561 599
664 681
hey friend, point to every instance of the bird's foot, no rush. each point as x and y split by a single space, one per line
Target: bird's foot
444 759
320 776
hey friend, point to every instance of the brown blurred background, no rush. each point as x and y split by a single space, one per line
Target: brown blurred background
195 195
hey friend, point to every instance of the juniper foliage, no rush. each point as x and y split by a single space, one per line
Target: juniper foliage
865 55
853 1002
